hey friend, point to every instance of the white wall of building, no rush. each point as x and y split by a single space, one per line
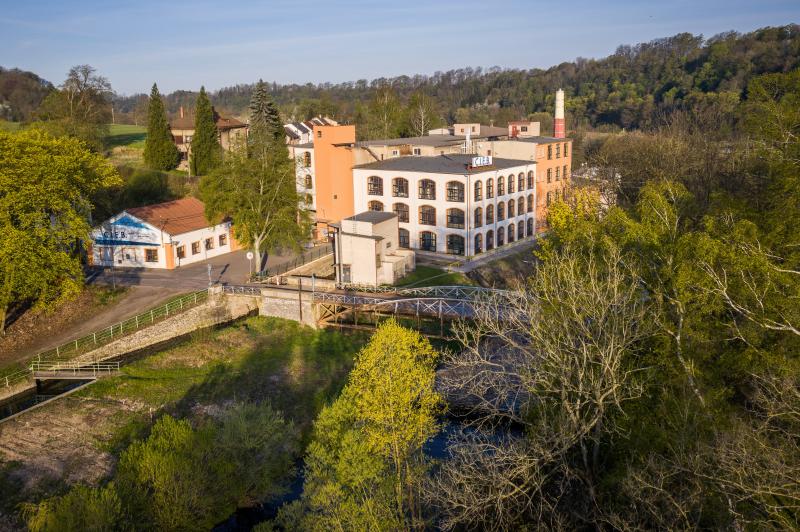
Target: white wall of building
362 200
200 236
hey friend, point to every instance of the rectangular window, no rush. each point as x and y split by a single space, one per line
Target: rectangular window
417 151
319 134
209 243
566 149
549 151
223 240
345 273
181 252
309 182
558 151
564 172
195 248
558 173
549 174
151 255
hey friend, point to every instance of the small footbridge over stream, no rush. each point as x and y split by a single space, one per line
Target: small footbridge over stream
101 353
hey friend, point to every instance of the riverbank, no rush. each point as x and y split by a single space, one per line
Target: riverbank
78 439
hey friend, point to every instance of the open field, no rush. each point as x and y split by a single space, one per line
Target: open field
78 438
126 135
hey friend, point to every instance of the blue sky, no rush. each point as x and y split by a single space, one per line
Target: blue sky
182 45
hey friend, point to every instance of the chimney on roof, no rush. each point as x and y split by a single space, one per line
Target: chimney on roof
558 124
181 111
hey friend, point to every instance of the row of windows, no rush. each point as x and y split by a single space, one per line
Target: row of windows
455 244
426 188
558 173
455 217
208 243
554 195
558 150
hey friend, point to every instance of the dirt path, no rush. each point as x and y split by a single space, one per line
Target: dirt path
137 299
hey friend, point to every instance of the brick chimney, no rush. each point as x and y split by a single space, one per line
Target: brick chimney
181 111
558 124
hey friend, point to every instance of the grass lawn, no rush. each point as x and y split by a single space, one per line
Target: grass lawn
9 126
431 276
126 135
296 368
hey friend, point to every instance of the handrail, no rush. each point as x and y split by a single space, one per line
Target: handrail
304 258
107 335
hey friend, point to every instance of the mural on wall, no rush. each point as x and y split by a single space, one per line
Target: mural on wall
126 231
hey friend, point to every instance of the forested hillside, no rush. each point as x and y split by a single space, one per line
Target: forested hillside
21 93
631 88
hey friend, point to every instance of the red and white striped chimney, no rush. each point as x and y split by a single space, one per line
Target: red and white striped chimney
559 126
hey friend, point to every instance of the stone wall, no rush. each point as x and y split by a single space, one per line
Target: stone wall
288 304
218 309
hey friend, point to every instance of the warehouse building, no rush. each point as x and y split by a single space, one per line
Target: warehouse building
167 235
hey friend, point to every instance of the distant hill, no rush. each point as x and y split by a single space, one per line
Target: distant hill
630 88
21 93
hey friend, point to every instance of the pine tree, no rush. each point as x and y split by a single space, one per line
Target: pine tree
206 151
160 152
266 126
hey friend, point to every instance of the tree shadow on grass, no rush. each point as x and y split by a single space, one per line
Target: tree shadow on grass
296 368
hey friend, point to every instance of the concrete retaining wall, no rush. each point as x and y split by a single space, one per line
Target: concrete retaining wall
291 305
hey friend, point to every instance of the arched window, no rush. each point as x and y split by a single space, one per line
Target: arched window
309 182
511 184
530 202
403 238
375 206
455 191
510 233
427 189
401 210
400 187
520 182
530 179
490 214
307 159
489 240
511 205
501 236
427 241
427 215
489 188
478 191
374 186
455 244
520 205
478 243
520 229
501 186
549 196
477 220
501 211
530 226
455 218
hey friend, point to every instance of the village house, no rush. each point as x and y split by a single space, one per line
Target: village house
230 133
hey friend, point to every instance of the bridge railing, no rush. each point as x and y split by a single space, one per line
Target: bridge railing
304 258
74 369
107 335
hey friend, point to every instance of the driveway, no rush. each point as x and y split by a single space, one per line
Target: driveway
231 268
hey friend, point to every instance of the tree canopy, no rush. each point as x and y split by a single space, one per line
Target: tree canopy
46 185
206 153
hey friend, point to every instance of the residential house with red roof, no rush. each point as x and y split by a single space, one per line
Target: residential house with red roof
230 132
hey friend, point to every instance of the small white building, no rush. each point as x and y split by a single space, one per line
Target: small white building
453 204
367 250
167 235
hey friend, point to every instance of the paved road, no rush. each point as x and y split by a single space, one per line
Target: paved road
231 268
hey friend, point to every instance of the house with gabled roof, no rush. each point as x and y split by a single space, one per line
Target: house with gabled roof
166 235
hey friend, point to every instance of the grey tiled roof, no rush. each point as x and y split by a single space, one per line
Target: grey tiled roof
441 164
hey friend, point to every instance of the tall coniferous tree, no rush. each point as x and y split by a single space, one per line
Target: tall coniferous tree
206 151
160 152
266 126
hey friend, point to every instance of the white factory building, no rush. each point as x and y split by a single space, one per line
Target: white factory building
454 204
167 235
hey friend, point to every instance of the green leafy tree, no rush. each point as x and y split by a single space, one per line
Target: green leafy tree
160 152
45 188
206 151
385 114
365 461
81 508
257 189
80 108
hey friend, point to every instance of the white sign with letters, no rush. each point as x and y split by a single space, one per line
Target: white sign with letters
482 160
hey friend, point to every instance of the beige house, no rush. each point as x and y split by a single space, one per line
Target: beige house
229 130
359 238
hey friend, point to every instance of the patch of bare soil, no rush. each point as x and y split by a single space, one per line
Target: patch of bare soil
62 443
33 325
507 273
